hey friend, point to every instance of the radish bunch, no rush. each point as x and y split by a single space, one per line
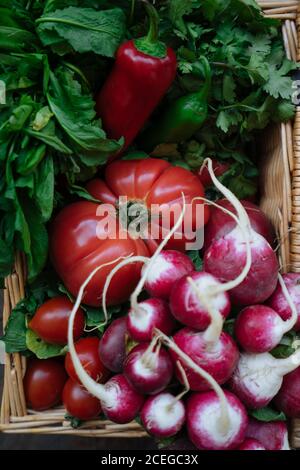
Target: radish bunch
240 268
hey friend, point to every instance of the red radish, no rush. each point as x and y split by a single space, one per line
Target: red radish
273 436
220 223
258 377
162 416
259 328
219 361
186 306
226 418
169 266
120 402
288 397
251 444
148 367
242 259
152 313
112 345
279 302
204 429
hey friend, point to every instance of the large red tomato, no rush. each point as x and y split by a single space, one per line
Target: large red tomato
75 247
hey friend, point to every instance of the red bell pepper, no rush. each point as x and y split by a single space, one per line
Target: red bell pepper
143 71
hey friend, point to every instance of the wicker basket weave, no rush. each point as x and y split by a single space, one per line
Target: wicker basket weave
280 199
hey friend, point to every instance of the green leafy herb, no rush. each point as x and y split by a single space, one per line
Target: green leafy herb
40 348
196 259
82 30
268 415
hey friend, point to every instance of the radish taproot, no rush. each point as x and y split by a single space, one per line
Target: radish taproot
220 223
251 444
273 436
288 397
258 377
152 313
112 345
226 418
162 416
278 300
148 367
120 402
219 361
204 429
186 306
259 328
242 259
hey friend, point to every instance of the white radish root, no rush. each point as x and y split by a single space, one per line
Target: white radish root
224 420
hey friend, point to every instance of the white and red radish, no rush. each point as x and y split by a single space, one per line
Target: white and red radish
279 302
220 223
225 420
219 360
149 367
251 444
258 377
152 313
242 259
288 397
120 402
273 436
168 267
112 347
186 306
259 328
164 415
203 410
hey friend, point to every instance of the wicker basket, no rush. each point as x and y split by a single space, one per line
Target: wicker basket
280 189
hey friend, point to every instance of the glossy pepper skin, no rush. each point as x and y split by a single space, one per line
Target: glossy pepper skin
182 118
143 71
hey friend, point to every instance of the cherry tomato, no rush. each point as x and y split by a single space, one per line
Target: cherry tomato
80 403
77 244
50 321
43 383
88 352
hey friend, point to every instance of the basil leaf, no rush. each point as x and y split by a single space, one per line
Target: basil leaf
83 30
41 349
268 415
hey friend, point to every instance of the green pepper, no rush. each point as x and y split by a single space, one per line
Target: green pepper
183 118
29 160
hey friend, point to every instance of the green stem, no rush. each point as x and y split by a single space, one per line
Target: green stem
132 9
78 71
152 35
203 92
